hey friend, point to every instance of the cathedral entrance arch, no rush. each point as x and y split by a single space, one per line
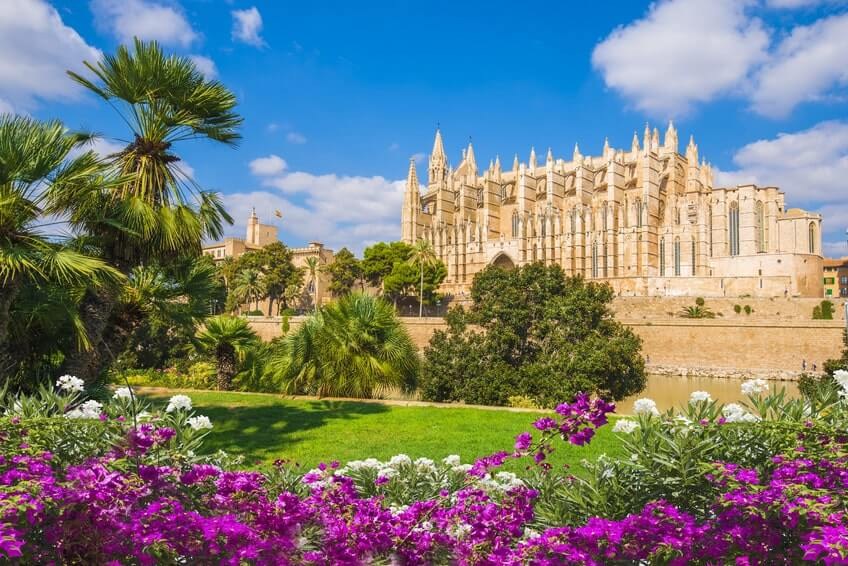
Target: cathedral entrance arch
503 261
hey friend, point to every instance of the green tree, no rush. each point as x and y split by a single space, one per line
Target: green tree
344 272
532 332
35 156
423 256
311 269
379 260
248 287
354 347
155 212
226 338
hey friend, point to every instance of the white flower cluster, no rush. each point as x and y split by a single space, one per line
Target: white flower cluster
502 481
88 410
70 383
199 422
699 396
735 413
841 377
645 406
178 402
122 393
754 387
625 425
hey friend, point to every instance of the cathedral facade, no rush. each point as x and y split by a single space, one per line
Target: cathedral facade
647 220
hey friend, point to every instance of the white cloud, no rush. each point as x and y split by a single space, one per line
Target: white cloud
145 19
268 166
36 48
247 26
805 67
339 210
810 165
295 138
419 157
794 4
6 107
272 127
205 65
682 52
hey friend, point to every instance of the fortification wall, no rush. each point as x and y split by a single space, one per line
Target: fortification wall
735 345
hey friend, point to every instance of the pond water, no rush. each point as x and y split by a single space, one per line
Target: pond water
673 391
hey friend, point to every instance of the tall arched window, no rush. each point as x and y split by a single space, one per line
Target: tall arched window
662 257
694 256
733 228
812 235
515 224
595 259
759 219
638 213
677 257
625 220
573 221
606 211
606 263
710 228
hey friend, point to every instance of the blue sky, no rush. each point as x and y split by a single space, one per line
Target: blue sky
338 95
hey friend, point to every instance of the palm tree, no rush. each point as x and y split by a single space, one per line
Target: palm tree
227 338
354 347
154 212
312 266
423 256
248 287
33 156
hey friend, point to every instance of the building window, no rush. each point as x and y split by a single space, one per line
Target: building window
662 257
843 280
710 228
733 228
606 210
761 227
626 222
812 236
638 213
828 292
515 224
677 257
829 280
595 259
677 215
694 257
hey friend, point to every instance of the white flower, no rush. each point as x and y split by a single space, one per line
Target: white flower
754 387
425 464
459 530
625 425
144 416
199 422
387 473
508 480
178 402
734 413
645 406
88 410
452 460
123 393
464 468
400 460
698 396
841 377
70 383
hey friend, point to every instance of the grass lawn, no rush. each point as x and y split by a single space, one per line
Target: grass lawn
264 427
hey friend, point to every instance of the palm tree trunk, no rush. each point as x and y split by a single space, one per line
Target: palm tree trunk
226 355
95 311
7 297
421 296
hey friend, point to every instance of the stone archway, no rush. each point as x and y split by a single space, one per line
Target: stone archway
503 261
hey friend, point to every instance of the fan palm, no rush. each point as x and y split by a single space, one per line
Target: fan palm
353 347
34 156
423 256
248 287
312 267
155 212
226 337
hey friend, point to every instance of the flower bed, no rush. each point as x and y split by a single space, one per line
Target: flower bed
763 481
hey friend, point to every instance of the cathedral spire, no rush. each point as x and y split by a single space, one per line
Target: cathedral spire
606 150
692 152
470 159
550 157
671 137
655 140
515 164
438 146
577 157
437 169
634 145
412 177
532 163
646 139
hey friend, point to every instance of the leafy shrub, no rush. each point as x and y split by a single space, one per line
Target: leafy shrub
823 311
521 402
697 312
699 301
748 309
532 332
737 309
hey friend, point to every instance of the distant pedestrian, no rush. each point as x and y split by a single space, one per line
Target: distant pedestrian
803 365
814 366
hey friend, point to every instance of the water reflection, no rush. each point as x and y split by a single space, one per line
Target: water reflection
673 391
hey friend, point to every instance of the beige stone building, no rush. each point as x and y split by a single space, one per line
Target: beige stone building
835 277
648 220
258 236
